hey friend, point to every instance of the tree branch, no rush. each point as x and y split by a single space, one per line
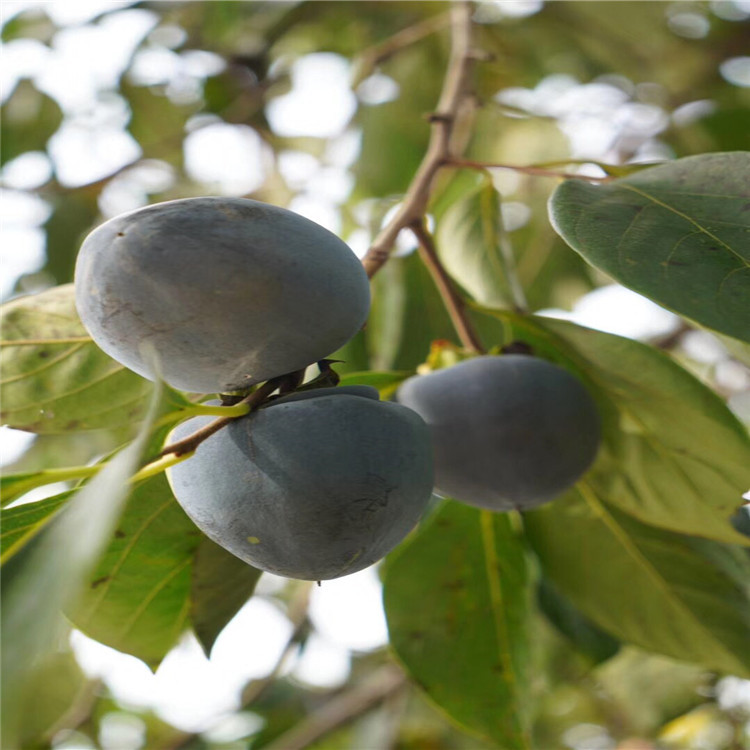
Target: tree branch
453 301
379 53
297 613
537 171
455 90
342 709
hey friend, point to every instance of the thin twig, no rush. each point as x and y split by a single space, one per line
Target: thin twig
191 442
297 613
671 339
379 53
342 709
538 171
453 301
455 90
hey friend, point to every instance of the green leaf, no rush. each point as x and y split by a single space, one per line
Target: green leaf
474 247
732 560
137 599
651 689
23 522
12 486
453 187
386 382
43 581
678 233
466 643
646 586
674 455
578 629
352 356
56 694
54 379
15 485
67 449
407 314
221 583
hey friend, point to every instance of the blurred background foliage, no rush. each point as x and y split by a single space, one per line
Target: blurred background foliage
226 98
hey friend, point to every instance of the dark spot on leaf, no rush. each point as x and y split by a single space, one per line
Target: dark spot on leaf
73 424
121 234
676 263
416 635
497 668
457 585
120 534
43 354
99 581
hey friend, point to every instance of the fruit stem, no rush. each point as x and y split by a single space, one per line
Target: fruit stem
46 476
252 401
156 467
454 303
206 410
51 476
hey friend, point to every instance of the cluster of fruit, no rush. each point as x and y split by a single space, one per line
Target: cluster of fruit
321 482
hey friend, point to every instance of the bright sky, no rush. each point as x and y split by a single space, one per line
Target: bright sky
189 690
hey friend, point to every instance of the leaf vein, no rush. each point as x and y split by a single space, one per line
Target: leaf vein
633 551
143 606
45 366
127 549
687 218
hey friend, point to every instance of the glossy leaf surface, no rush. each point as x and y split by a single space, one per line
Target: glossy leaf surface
647 586
678 233
467 642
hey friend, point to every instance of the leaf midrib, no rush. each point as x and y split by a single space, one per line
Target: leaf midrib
631 549
486 520
686 217
127 549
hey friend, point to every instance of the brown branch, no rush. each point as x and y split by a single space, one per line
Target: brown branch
455 90
342 709
453 301
671 339
379 53
191 442
297 613
537 171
